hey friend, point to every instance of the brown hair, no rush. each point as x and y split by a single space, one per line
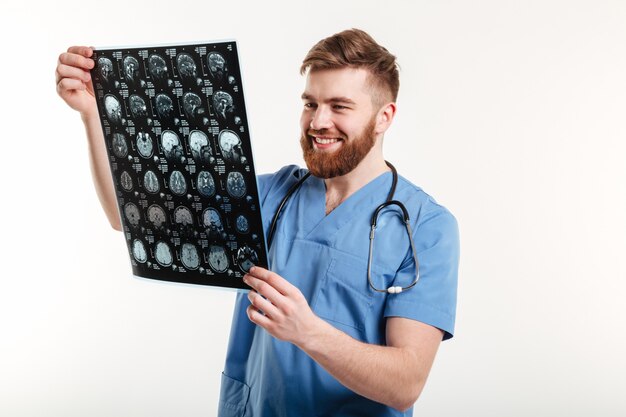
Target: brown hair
354 48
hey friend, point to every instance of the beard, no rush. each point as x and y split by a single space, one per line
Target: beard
342 161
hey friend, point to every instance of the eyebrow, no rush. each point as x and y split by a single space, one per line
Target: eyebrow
305 96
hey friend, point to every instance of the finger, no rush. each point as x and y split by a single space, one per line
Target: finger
67 85
276 281
86 51
263 304
265 289
76 60
66 71
258 318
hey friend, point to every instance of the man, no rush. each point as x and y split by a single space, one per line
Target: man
314 338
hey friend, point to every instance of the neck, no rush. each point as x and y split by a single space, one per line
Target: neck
338 189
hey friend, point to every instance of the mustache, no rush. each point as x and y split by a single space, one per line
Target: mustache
324 132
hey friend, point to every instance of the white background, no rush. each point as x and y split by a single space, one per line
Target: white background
511 114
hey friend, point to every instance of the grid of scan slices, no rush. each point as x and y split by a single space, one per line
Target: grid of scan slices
177 137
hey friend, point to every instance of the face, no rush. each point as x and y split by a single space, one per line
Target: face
338 121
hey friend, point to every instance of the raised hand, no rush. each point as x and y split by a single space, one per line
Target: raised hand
74 81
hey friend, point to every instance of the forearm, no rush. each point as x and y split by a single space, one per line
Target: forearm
100 169
393 375
386 374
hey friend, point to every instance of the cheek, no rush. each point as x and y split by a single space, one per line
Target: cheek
355 127
305 121
345 127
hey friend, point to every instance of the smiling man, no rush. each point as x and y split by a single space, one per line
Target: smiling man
329 117
338 326
315 338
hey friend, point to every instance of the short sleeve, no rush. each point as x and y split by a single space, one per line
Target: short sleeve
433 299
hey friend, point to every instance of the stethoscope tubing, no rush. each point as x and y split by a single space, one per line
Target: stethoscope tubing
389 202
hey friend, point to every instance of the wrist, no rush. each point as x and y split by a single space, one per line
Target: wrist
314 335
90 116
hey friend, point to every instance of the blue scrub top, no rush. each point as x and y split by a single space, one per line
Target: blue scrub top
325 256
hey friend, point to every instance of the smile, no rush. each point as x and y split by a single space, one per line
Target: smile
325 141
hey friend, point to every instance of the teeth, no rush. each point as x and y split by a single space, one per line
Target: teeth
325 141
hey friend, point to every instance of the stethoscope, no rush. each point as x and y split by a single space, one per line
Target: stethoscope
389 202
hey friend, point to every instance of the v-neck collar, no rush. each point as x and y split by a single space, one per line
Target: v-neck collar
322 227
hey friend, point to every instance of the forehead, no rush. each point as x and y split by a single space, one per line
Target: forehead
328 84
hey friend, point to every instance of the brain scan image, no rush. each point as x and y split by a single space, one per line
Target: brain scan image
218 259
223 104
144 145
235 184
113 109
126 181
164 107
189 256
172 147
217 66
241 224
163 254
106 68
186 66
211 218
157 68
132 213
151 182
200 148
192 106
230 144
178 185
182 216
206 184
139 251
212 221
197 140
157 216
138 106
119 145
131 69
246 258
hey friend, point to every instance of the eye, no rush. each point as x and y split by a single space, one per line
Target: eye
310 105
339 107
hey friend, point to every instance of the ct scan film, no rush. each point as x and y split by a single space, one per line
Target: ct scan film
177 137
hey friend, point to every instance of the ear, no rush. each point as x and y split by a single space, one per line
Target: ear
384 117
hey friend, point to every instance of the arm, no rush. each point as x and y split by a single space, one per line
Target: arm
393 375
74 86
101 171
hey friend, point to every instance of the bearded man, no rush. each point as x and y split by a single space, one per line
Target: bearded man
338 326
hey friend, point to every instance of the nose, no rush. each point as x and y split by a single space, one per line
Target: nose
321 119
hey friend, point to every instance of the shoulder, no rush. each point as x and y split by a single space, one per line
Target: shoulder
425 212
279 181
420 200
